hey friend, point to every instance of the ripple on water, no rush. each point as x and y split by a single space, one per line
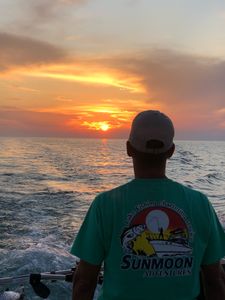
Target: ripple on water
47 185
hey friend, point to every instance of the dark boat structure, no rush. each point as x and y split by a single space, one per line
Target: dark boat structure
41 289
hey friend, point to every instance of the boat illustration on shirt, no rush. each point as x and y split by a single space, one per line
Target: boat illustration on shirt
164 248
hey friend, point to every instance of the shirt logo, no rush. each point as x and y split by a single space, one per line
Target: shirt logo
157 239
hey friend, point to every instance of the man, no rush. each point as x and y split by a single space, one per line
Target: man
153 235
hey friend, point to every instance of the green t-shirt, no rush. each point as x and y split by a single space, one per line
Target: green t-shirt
153 235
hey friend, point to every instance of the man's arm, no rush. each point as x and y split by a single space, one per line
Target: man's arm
213 281
85 281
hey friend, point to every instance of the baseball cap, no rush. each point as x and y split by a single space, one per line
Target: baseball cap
151 132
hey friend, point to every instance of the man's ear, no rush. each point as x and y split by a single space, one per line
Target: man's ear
171 151
129 149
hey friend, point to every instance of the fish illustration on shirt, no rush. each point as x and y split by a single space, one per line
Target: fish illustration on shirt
130 234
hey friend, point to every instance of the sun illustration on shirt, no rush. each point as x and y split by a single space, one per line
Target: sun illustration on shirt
156 231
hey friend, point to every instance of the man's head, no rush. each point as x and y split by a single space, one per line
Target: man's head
151 137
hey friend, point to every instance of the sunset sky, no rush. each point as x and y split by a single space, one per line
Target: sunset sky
84 68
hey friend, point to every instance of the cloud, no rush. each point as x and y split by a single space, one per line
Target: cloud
75 122
180 76
49 20
36 14
176 81
22 51
221 111
42 10
188 88
19 122
186 85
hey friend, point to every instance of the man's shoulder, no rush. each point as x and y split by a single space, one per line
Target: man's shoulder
190 191
112 193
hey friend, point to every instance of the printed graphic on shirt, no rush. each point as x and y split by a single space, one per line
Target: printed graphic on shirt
158 237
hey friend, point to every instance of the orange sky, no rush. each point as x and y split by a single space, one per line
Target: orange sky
91 86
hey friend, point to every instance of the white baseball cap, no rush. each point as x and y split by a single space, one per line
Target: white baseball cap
151 132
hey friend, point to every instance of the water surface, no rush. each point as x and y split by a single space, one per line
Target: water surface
47 185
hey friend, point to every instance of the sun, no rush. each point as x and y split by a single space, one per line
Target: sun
104 126
99 126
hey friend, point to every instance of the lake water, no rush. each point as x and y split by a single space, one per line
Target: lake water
47 185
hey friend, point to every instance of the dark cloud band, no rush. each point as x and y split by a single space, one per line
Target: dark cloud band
21 51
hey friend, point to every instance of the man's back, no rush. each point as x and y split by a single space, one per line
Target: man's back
155 234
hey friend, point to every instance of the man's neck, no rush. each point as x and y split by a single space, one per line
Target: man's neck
149 175
149 172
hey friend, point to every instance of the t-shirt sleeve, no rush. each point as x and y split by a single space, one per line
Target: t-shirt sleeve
88 244
215 249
